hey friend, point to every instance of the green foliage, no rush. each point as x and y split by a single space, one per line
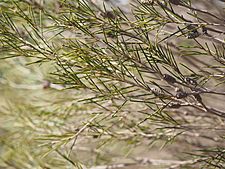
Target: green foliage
120 84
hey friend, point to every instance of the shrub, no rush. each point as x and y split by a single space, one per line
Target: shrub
123 84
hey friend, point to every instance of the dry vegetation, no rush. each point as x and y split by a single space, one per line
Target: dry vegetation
86 86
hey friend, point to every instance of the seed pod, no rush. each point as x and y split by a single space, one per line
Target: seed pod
204 30
193 34
181 94
95 136
175 2
191 81
147 2
169 79
191 27
193 31
157 92
108 14
174 105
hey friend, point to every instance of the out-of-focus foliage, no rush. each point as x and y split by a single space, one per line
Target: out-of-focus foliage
84 85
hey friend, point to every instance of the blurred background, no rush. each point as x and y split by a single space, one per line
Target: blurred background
38 117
